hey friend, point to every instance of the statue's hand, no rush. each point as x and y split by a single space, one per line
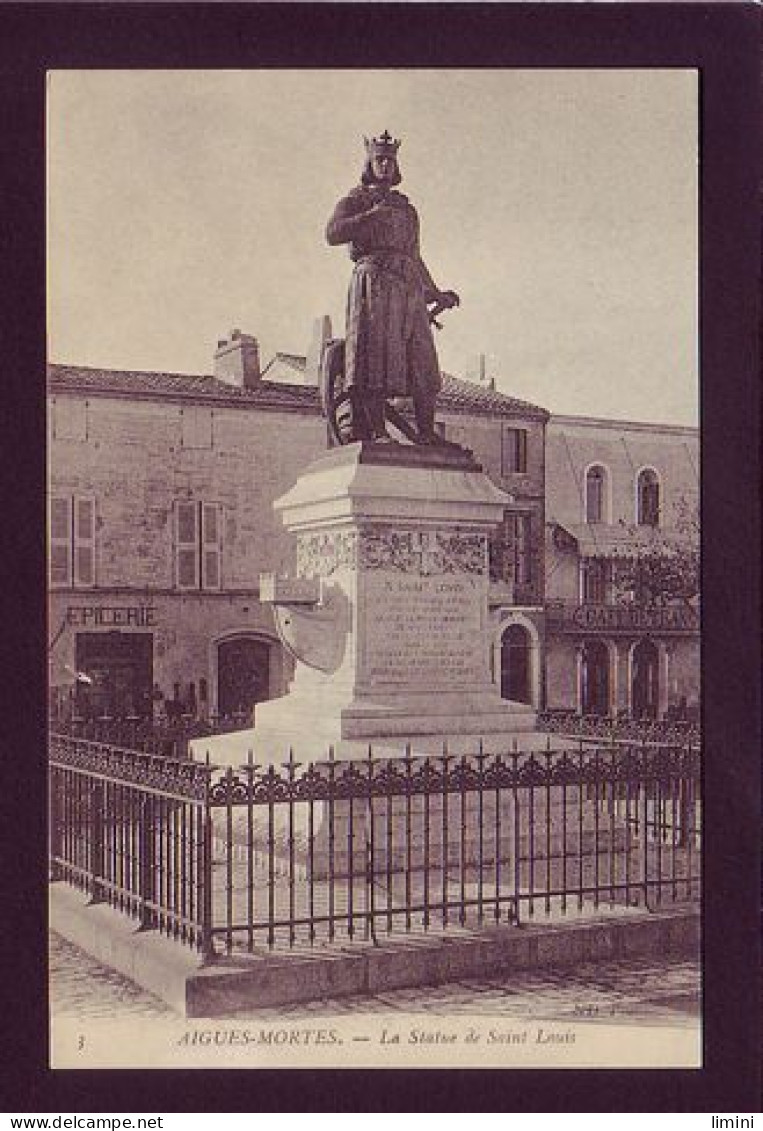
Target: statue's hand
448 299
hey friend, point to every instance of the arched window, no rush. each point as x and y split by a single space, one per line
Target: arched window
595 486
648 494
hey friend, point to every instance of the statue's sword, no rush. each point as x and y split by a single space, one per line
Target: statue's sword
438 309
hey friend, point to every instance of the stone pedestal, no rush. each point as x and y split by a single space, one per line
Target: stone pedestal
388 619
388 614
537 834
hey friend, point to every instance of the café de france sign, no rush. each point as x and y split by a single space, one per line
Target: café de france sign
624 618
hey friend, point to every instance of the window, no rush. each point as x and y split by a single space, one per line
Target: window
514 451
596 578
594 494
198 545
72 541
510 550
648 493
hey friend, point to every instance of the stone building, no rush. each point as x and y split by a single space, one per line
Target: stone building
615 491
161 521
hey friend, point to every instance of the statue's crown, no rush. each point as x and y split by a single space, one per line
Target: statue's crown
384 146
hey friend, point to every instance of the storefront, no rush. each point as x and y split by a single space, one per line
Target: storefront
176 655
118 671
612 660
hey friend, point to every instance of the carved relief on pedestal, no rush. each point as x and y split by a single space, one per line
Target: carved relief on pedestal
423 553
322 553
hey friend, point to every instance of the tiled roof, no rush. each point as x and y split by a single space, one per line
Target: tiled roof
181 386
457 395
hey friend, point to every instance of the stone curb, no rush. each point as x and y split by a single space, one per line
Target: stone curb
246 982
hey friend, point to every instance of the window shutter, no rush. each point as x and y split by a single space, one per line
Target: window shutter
521 450
84 542
186 546
60 521
522 556
211 546
514 456
509 450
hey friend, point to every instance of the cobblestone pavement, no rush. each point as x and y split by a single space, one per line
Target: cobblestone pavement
629 992
81 987
626 991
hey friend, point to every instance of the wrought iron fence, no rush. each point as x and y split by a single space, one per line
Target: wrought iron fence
619 729
267 856
165 736
132 829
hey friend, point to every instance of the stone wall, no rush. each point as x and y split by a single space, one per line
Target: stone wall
138 457
574 444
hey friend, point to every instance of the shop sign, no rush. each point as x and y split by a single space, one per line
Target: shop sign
627 618
111 616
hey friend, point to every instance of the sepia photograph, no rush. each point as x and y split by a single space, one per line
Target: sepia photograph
374 587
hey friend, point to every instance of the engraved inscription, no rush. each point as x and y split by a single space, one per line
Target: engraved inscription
425 631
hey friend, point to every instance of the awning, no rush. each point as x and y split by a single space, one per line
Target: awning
611 540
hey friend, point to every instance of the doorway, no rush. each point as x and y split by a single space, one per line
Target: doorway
243 674
645 680
119 666
515 664
595 679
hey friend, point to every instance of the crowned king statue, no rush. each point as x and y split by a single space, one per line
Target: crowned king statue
388 352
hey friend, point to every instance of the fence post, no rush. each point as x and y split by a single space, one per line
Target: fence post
370 853
95 831
686 799
645 823
55 819
147 855
205 872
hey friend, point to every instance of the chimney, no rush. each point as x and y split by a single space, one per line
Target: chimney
480 374
237 360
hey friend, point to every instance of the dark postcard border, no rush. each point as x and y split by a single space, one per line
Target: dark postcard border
721 40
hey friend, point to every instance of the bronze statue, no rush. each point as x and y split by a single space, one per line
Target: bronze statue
392 303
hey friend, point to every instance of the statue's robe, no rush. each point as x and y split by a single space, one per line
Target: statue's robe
389 350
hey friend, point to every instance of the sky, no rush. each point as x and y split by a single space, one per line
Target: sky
560 204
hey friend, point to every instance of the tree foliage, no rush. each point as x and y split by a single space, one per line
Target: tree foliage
665 569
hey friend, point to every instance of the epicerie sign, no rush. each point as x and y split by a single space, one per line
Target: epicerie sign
111 616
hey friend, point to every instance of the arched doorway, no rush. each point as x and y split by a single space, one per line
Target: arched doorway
645 680
515 664
594 678
243 674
